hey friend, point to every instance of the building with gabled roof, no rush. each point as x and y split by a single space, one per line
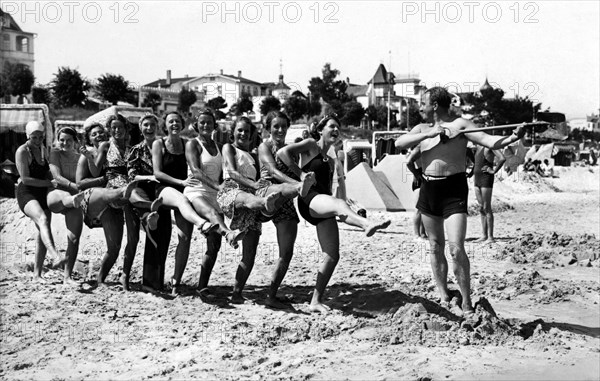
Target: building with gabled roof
16 46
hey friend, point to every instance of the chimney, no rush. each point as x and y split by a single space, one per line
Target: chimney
168 82
280 78
186 76
221 71
239 74
348 80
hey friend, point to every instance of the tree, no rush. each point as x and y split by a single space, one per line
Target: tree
499 111
313 106
41 95
269 104
112 88
69 87
186 98
244 104
327 87
217 103
17 80
296 106
414 117
353 113
152 100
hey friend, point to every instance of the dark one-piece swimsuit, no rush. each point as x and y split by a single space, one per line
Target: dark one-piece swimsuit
324 179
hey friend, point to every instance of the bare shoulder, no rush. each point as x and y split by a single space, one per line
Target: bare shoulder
462 124
419 128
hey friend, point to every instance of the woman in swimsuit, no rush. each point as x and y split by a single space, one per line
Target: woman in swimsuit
170 169
34 170
205 164
320 208
65 199
238 201
109 204
274 171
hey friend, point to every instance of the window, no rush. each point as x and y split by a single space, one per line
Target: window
5 42
23 44
255 91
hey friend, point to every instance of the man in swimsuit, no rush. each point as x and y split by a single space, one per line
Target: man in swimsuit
484 172
443 195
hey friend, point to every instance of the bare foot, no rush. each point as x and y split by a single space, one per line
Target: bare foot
58 263
70 282
207 228
233 236
39 280
319 307
124 280
373 227
237 298
156 204
275 303
307 182
129 188
270 206
480 240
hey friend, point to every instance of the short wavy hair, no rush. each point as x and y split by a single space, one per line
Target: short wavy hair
440 95
88 129
273 115
318 127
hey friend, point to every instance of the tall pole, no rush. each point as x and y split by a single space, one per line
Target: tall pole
388 109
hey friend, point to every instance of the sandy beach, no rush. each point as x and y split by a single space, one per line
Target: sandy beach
536 292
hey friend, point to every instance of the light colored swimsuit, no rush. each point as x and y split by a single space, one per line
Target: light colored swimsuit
212 167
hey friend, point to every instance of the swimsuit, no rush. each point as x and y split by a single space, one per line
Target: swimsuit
241 218
483 179
116 167
444 196
287 211
174 165
323 181
213 168
26 193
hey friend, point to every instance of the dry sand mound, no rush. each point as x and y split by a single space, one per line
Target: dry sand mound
555 248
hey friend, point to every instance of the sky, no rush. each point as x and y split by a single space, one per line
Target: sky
546 50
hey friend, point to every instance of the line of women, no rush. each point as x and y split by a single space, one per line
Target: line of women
108 184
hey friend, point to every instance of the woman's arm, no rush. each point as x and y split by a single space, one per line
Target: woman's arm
265 157
289 152
95 164
22 163
500 160
231 166
57 174
193 150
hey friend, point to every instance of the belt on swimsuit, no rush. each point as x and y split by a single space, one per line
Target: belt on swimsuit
434 178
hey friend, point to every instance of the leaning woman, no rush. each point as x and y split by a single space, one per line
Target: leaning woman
34 170
319 207
65 199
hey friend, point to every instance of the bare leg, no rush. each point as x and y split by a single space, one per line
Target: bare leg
286 237
434 226
325 206
132 222
140 199
482 215
74 223
40 255
265 204
213 245
42 219
112 223
249 247
456 227
182 252
328 235
486 194
174 199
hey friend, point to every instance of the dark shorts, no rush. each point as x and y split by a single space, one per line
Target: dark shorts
445 197
484 180
27 193
303 208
